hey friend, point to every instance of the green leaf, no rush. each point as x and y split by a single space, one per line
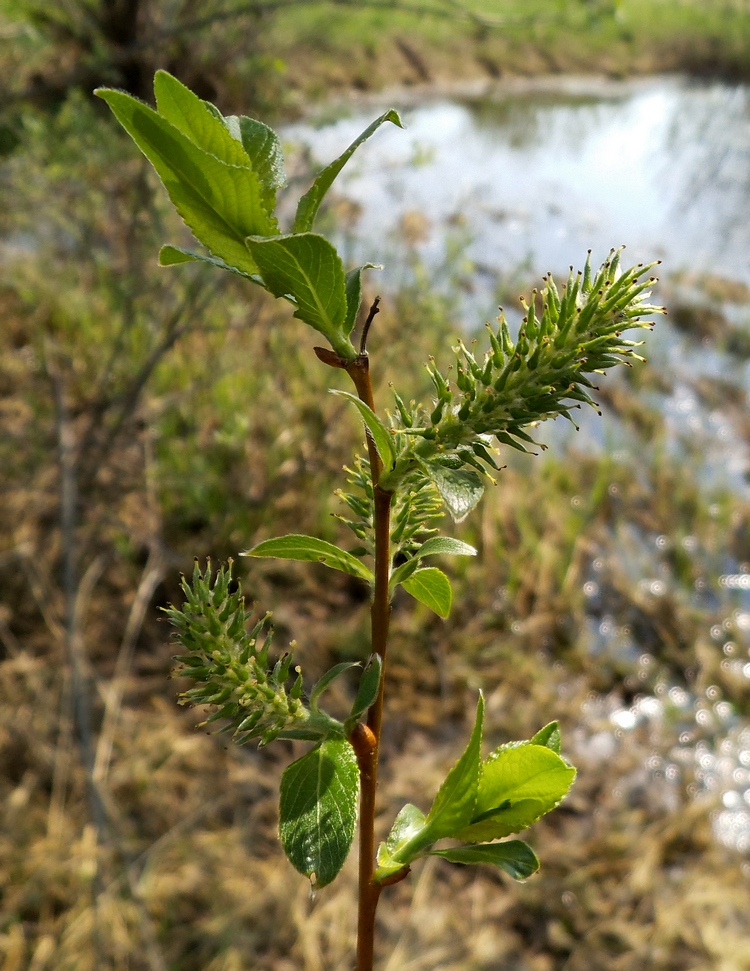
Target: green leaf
310 202
549 736
518 784
445 546
405 832
455 802
402 573
237 140
309 548
318 810
482 452
307 270
195 119
354 294
431 587
380 434
515 857
263 148
175 255
413 833
220 203
369 685
460 489
320 686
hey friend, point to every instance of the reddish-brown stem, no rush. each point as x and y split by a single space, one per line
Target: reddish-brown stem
359 371
366 739
369 893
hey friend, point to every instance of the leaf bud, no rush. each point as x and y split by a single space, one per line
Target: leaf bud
508 346
489 402
296 690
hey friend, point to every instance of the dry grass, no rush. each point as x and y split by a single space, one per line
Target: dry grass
189 875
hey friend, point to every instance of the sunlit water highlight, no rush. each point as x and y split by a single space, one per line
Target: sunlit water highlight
700 743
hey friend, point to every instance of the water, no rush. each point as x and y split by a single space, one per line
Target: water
536 179
523 182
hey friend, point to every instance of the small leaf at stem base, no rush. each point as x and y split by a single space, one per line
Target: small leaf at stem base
369 685
380 434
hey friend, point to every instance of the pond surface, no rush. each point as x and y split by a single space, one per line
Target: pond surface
526 181
538 177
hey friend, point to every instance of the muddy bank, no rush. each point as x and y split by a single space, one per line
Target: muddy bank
368 53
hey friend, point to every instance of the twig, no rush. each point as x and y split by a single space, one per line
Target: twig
153 573
42 592
66 721
9 639
148 932
61 771
81 698
93 453
374 309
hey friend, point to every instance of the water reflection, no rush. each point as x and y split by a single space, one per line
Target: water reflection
661 165
700 743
